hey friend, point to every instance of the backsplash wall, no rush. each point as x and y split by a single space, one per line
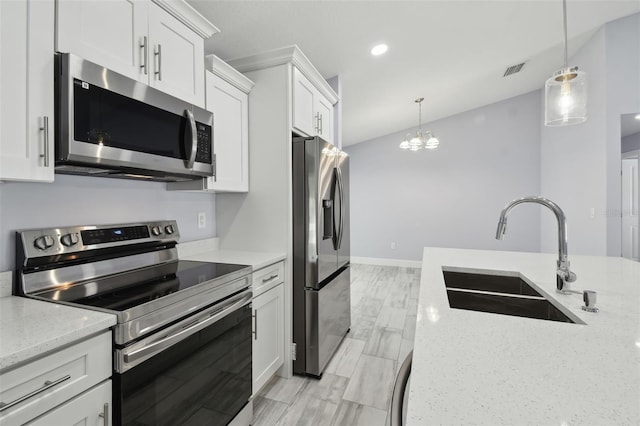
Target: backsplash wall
79 200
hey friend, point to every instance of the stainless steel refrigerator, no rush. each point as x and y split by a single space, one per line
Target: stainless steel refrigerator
321 279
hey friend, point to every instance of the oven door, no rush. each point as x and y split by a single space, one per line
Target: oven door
197 371
105 119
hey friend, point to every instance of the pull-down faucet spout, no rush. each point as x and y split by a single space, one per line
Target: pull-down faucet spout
564 276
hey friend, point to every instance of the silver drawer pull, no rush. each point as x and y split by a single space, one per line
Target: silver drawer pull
47 385
272 277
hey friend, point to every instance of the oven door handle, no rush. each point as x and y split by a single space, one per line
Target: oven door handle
192 326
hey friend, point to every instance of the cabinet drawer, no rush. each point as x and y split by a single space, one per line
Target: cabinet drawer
32 389
268 277
91 408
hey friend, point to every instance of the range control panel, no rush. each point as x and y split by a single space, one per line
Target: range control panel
45 242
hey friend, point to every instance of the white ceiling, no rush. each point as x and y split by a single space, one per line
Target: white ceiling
629 124
453 53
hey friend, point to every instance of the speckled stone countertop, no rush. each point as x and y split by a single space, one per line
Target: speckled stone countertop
488 369
207 251
30 328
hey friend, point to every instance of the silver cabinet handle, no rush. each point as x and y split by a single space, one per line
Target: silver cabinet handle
317 122
144 49
105 414
255 325
158 54
321 123
47 385
272 277
45 129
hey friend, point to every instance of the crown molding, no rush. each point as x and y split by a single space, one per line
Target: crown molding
188 16
228 73
285 55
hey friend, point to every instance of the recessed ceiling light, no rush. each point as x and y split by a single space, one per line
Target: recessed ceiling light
379 49
637 117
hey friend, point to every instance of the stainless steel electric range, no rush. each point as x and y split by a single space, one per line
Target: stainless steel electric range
182 343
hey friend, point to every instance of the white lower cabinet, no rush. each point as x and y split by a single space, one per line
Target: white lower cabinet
69 385
91 408
268 331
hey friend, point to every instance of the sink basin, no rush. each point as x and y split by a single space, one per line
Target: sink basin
485 282
502 294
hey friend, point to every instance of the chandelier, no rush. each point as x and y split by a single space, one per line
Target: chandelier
565 92
421 140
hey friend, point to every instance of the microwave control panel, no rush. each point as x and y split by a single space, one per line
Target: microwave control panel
205 144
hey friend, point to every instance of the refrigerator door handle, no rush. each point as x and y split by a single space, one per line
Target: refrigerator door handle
336 223
341 194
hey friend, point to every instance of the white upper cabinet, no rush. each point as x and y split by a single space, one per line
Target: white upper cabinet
230 107
176 56
109 33
228 98
26 84
312 112
139 39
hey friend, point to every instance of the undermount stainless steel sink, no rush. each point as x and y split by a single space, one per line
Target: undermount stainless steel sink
502 294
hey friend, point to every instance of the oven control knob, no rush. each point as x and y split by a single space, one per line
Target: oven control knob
156 230
69 240
44 242
168 229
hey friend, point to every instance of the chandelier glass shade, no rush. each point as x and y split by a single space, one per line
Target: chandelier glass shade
565 92
421 139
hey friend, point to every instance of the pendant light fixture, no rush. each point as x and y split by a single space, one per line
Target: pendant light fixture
421 140
565 92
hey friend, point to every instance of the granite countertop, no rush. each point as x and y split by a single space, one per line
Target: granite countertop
488 369
30 328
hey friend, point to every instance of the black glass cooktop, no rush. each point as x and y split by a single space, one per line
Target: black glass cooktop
173 278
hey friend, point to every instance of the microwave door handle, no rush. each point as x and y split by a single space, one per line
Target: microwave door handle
191 135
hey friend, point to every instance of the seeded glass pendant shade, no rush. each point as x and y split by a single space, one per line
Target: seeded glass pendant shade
421 140
565 92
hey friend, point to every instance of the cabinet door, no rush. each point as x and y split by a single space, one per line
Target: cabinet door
324 112
92 408
26 83
177 57
268 346
230 134
110 33
304 94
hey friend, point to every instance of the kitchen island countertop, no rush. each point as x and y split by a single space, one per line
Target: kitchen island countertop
488 369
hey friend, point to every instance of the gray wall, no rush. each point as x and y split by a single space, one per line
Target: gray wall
450 197
581 164
76 200
631 142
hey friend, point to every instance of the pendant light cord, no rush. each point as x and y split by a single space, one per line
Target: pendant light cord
564 13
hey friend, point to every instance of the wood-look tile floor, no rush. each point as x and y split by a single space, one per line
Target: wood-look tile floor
356 386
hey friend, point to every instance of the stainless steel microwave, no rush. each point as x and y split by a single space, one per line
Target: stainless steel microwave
110 125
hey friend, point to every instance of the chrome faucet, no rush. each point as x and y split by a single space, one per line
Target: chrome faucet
564 276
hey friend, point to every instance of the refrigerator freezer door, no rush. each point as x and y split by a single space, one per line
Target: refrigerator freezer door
328 319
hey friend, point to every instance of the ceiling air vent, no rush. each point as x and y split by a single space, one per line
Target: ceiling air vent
513 69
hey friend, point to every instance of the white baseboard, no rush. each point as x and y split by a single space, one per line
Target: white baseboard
387 262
